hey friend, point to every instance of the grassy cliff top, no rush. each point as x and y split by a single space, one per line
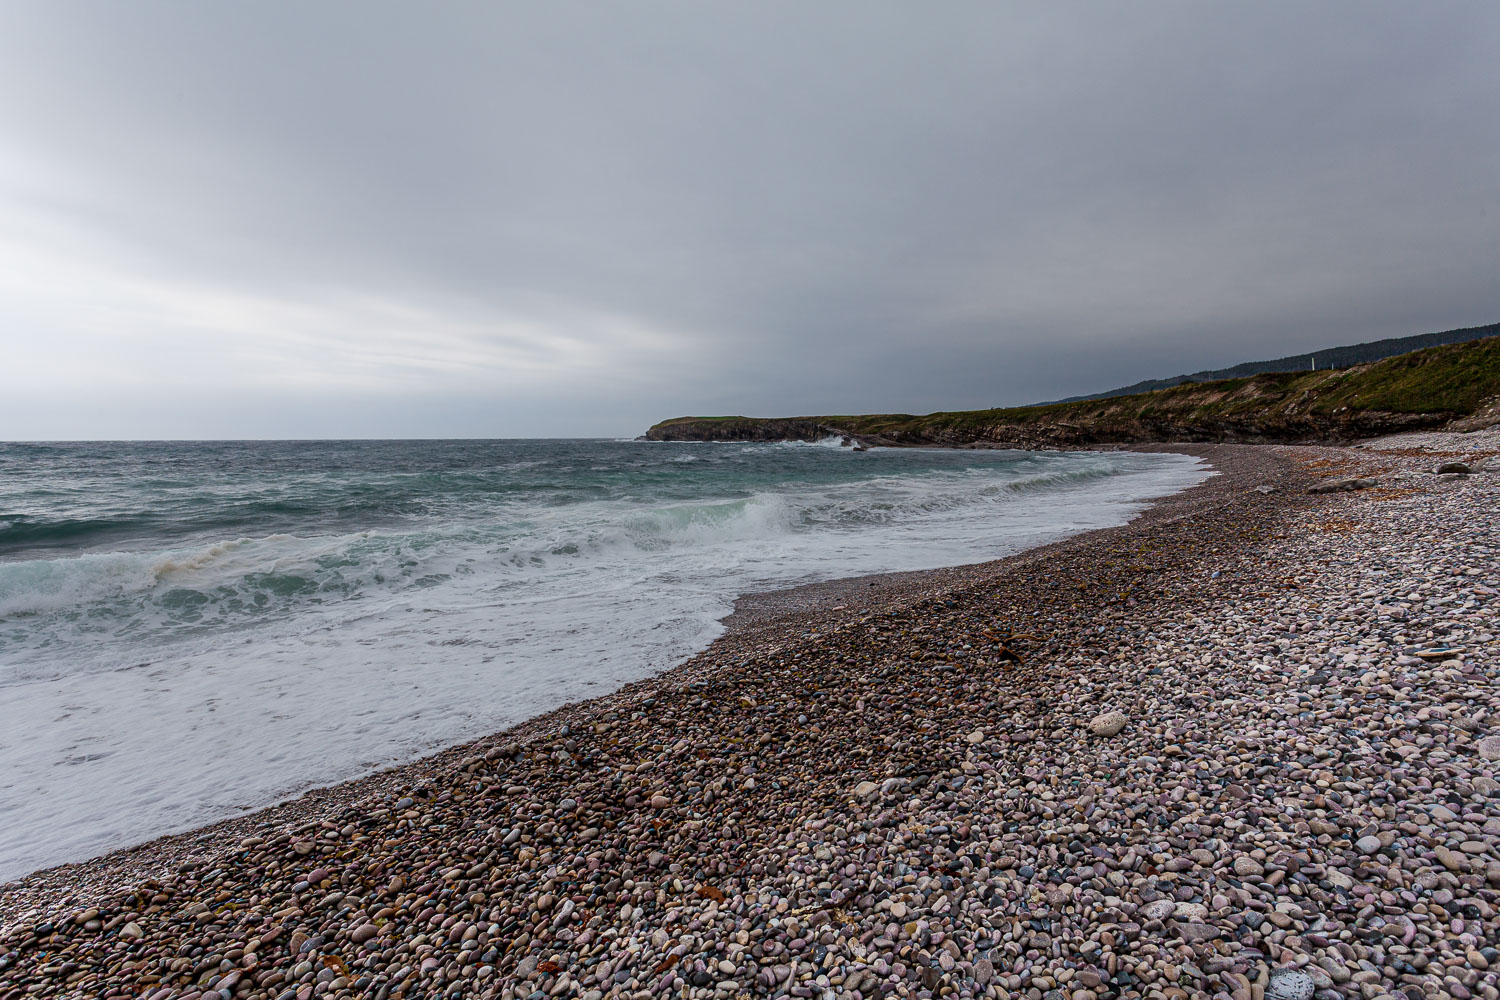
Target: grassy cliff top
1454 379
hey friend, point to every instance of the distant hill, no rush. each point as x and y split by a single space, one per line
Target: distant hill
1453 385
1327 358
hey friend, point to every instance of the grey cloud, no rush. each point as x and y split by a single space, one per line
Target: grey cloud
593 216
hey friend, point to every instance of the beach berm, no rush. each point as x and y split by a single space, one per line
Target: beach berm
1241 747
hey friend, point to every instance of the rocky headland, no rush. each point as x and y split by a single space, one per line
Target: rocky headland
1454 387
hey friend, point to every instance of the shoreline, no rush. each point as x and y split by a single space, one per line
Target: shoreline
483 629
854 791
762 620
781 612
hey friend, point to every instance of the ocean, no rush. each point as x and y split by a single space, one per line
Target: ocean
190 630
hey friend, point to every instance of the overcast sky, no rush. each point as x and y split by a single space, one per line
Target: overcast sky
487 219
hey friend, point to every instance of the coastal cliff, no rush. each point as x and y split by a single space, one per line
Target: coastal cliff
1454 386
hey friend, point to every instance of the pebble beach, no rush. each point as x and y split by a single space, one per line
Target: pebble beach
1247 746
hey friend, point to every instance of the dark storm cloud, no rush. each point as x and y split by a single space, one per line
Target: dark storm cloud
347 219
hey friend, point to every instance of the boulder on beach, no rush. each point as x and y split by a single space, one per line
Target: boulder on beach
1344 485
1108 724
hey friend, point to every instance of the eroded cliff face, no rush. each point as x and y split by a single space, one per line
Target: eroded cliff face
741 429
1114 429
1255 430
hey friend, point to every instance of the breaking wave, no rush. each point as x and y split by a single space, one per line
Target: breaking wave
330 608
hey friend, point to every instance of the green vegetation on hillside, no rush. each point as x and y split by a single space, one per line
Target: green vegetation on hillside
1321 360
1423 388
1454 379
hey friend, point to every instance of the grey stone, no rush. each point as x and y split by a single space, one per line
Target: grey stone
1489 748
1247 867
1108 724
1289 984
1343 485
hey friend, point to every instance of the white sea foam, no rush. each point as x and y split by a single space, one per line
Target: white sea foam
149 692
